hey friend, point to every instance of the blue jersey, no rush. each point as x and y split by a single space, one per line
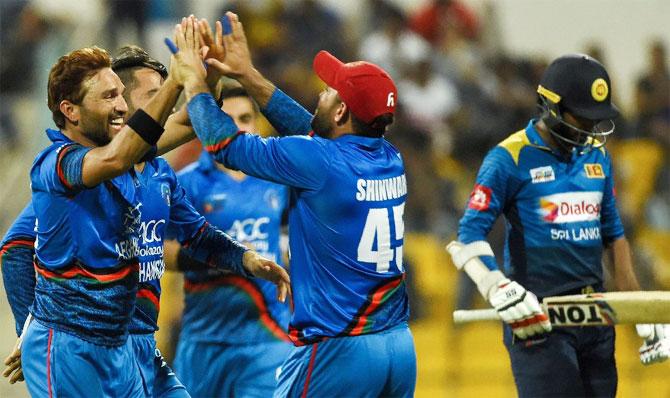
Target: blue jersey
250 211
90 242
16 261
345 224
559 213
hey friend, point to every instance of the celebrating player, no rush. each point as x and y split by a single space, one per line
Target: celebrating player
96 219
222 347
349 324
553 182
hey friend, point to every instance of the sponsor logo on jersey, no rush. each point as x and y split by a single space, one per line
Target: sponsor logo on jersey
214 202
594 170
542 174
249 229
132 218
571 207
480 198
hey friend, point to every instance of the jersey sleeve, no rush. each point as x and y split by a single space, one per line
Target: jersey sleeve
611 225
493 188
201 241
298 161
61 170
16 261
286 115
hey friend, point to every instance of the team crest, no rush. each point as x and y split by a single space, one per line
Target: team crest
594 170
599 90
272 199
165 193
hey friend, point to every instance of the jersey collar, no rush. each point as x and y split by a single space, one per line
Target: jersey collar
534 136
368 142
57 136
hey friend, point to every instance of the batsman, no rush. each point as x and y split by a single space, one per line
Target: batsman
553 182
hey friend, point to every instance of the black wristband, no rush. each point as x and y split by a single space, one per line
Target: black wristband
146 127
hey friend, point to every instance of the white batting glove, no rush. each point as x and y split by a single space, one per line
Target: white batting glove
656 346
519 308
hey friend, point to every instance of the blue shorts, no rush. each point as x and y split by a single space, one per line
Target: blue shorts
159 380
221 370
568 362
370 365
58 364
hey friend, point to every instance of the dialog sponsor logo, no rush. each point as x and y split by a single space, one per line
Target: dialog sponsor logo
570 207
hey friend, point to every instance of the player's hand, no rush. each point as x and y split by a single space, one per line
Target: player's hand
519 308
13 369
237 62
656 346
213 41
186 67
263 268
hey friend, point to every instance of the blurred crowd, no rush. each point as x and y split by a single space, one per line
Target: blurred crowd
459 94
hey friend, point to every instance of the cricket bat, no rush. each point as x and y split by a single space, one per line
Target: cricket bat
595 309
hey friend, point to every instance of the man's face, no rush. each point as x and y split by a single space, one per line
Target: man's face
242 111
103 108
323 122
146 85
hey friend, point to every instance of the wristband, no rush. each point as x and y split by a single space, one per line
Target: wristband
145 126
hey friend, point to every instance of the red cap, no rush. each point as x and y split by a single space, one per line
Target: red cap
366 88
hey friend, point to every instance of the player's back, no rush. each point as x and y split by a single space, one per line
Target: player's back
346 242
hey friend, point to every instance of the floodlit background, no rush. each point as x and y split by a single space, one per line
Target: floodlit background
466 72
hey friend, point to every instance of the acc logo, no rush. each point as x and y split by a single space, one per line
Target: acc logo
149 231
480 198
542 174
599 90
594 170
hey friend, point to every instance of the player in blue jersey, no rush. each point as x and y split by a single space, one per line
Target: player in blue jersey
553 182
91 206
348 191
233 349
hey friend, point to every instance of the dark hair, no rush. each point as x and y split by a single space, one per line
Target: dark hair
67 75
128 59
236 91
133 57
376 128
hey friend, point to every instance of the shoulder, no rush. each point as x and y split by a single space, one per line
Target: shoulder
510 148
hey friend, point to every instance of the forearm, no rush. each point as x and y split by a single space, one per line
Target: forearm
214 128
286 115
620 255
258 87
178 131
19 278
214 248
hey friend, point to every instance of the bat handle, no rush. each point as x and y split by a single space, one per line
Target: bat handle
465 316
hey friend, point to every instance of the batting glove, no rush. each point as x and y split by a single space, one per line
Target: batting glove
519 308
656 346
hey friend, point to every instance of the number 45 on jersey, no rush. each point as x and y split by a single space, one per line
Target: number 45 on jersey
378 230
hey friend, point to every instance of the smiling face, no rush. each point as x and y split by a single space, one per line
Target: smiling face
102 110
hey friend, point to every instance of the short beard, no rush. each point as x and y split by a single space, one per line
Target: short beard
321 126
96 133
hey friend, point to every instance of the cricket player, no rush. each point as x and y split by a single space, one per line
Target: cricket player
142 77
233 349
95 216
553 182
348 189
